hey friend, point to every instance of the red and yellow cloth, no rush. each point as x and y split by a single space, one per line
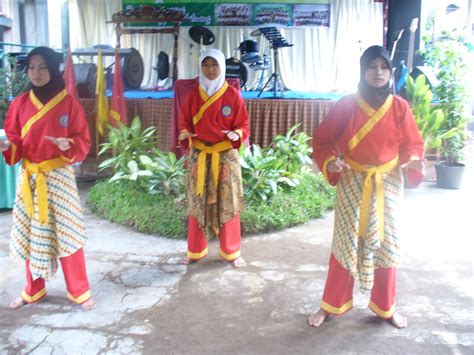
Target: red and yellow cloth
47 216
209 116
215 191
28 121
374 143
355 130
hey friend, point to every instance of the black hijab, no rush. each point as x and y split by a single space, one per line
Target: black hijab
375 97
56 83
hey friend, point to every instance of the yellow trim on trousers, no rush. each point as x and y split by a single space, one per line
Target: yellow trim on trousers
382 314
336 310
81 299
229 257
197 256
31 299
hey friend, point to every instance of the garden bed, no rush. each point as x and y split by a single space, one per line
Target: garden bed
122 203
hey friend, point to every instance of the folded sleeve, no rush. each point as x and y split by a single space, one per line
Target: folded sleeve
79 134
13 131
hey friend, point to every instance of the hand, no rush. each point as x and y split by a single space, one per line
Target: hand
231 135
185 135
62 143
418 165
336 166
4 145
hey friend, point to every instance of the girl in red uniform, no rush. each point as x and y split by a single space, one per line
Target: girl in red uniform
213 124
360 147
47 130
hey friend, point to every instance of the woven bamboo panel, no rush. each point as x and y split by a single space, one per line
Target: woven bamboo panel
157 113
267 118
271 117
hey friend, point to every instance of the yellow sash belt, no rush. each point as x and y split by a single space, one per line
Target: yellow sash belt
376 172
41 189
215 151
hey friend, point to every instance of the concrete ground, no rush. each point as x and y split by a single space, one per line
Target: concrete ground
149 303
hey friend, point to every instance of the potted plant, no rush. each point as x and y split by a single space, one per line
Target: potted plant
448 56
429 119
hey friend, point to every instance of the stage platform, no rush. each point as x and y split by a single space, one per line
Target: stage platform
288 95
269 116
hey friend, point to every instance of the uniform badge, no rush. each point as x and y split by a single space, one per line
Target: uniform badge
64 120
226 110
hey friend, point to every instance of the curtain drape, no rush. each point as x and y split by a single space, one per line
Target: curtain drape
321 58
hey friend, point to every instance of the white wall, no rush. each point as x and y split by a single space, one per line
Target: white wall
10 9
55 24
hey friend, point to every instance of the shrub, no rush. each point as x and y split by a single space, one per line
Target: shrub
148 187
122 203
12 83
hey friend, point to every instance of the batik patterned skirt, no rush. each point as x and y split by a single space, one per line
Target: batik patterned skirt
63 235
217 205
362 255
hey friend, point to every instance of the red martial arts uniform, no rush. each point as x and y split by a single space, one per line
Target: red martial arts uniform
374 143
208 117
47 197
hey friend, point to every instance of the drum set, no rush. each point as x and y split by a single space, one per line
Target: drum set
250 55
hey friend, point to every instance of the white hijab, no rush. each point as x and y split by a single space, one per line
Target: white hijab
211 86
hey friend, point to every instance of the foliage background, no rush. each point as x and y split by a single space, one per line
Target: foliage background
12 83
147 188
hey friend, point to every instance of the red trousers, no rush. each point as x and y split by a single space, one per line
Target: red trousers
337 297
229 237
77 284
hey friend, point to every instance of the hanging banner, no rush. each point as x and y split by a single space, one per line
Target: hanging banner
233 15
160 2
193 14
236 13
311 15
272 14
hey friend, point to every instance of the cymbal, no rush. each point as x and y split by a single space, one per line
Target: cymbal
201 33
256 33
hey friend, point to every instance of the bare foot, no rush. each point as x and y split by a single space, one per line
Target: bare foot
398 321
239 262
89 304
17 303
187 261
317 318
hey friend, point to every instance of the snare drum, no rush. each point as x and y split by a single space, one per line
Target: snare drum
249 51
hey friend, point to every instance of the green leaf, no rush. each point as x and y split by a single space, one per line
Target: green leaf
145 173
117 176
434 143
107 163
144 159
449 134
132 166
273 185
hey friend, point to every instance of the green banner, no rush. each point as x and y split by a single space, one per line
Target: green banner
200 3
239 13
195 14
